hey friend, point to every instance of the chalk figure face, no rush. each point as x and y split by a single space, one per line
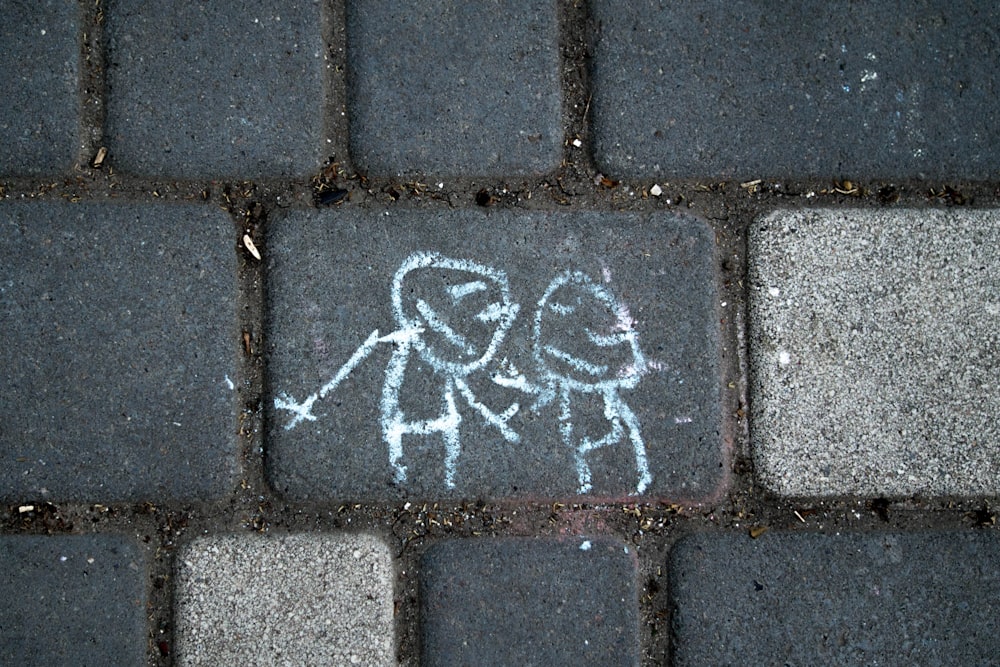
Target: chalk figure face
584 337
462 308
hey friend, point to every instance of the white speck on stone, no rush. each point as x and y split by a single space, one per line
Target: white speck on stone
441 186
773 291
784 358
868 76
577 143
656 190
229 383
357 554
43 32
62 559
585 546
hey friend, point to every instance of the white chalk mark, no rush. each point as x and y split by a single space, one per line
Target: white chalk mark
618 414
229 383
498 421
435 322
562 309
458 292
492 313
576 362
585 545
363 351
302 411
683 420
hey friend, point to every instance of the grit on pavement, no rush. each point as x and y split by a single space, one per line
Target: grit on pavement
501 333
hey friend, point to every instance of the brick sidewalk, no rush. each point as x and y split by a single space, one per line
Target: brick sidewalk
523 333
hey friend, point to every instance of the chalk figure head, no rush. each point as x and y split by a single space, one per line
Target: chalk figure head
462 310
584 337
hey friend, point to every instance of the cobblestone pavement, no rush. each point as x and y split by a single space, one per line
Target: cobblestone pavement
506 333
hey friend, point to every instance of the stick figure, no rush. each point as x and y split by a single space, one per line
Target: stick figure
584 343
454 313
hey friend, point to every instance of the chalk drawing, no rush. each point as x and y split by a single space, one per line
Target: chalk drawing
427 324
584 344
577 325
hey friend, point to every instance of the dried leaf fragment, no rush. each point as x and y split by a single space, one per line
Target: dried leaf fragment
98 160
757 531
248 244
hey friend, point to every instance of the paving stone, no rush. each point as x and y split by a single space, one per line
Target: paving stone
454 89
39 74
531 602
216 90
120 319
298 599
850 599
721 89
71 600
873 349
470 354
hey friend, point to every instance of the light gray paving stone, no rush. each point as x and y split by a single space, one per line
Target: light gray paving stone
815 88
840 600
504 355
120 324
39 76
285 600
874 349
454 88
216 89
72 600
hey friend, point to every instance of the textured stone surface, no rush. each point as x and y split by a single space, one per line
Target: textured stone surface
120 326
39 76
810 599
722 89
528 602
454 89
216 90
874 347
298 599
647 280
71 600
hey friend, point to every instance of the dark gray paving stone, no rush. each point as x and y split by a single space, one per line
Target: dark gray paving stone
39 76
351 379
120 324
216 90
721 89
873 352
531 602
71 600
810 599
454 89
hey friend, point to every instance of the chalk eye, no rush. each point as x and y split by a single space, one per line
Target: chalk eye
459 292
561 308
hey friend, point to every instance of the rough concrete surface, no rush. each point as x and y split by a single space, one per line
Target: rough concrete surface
39 76
71 601
529 602
120 322
853 599
285 600
631 298
210 90
454 88
721 89
874 348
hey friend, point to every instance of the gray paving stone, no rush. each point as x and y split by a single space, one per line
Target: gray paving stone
298 600
852 599
71 600
449 392
120 324
721 89
454 88
531 602
39 76
873 349
216 90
